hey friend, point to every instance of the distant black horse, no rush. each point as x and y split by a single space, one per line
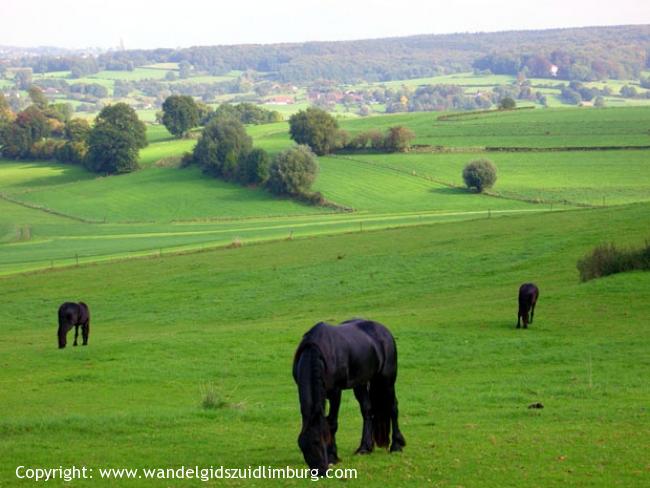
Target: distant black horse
528 295
357 354
76 314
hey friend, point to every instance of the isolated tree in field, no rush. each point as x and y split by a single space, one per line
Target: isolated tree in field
293 171
180 114
221 147
398 139
507 103
315 128
115 141
480 174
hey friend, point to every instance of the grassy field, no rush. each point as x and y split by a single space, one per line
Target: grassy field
68 214
584 177
527 128
164 330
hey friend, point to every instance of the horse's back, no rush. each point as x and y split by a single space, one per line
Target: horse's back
354 351
528 293
72 313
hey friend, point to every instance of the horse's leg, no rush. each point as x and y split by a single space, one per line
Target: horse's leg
518 320
532 312
398 439
332 420
363 397
76 334
85 331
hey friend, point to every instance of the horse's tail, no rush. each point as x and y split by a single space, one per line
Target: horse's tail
382 398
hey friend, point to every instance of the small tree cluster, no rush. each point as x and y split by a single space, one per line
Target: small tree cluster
115 140
396 139
293 171
180 114
225 151
480 174
247 113
27 133
507 103
315 128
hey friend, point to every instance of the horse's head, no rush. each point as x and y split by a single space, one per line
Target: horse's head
313 441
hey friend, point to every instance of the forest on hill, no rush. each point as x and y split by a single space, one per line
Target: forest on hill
584 54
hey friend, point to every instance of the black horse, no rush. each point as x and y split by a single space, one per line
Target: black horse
357 354
76 314
528 295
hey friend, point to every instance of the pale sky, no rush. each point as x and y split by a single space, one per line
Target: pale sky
177 23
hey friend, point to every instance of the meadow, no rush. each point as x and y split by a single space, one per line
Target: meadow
56 215
201 288
166 330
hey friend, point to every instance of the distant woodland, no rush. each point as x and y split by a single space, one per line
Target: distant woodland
582 54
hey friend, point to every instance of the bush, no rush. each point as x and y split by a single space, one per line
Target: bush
398 139
71 152
480 174
315 128
254 168
186 160
45 149
293 171
507 103
223 144
607 259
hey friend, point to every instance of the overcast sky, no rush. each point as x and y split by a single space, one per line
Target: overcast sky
177 23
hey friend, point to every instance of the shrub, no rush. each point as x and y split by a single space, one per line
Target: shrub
254 168
186 160
71 152
507 103
222 145
480 174
607 259
45 149
315 128
293 171
398 139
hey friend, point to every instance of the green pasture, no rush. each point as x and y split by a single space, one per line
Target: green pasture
463 79
526 128
585 177
158 195
165 209
165 330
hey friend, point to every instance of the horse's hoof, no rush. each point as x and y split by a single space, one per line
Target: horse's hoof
334 461
397 448
363 450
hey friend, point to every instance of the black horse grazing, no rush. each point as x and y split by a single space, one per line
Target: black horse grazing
357 354
528 295
76 314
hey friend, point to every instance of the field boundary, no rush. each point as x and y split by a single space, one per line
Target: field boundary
32 206
429 149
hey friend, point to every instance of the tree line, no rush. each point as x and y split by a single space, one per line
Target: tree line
579 53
